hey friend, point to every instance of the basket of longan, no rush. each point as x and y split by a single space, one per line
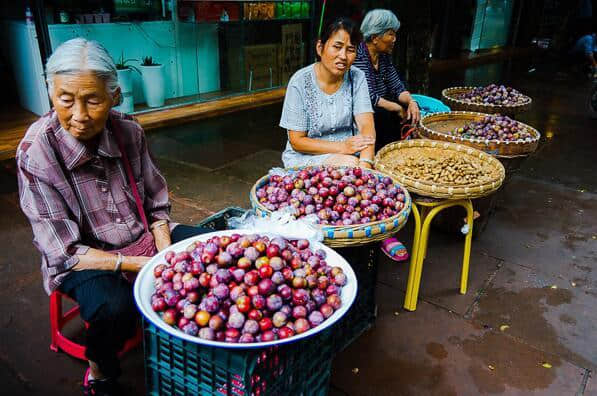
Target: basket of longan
441 169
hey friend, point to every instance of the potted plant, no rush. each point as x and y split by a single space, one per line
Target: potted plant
125 80
154 84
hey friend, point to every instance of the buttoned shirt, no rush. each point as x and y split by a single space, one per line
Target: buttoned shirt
383 82
76 197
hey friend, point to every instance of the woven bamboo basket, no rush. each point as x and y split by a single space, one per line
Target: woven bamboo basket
353 235
450 97
428 147
438 126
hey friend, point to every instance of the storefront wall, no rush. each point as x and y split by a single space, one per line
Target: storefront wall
208 49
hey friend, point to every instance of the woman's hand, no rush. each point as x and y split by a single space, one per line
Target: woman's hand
134 263
413 113
355 144
161 234
95 259
364 164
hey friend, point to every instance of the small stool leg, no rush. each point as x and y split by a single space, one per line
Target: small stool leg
55 318
468 205
413 258
411 304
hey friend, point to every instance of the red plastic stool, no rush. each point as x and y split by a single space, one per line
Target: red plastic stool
58 321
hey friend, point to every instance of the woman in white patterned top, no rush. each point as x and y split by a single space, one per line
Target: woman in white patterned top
327 111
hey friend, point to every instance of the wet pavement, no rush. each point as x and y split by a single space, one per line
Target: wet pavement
527 326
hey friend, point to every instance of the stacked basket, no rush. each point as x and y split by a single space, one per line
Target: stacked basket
439 126
451 98
347 236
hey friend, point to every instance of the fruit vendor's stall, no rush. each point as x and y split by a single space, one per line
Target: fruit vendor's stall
247 311
485 121
442 175
242 312
354 208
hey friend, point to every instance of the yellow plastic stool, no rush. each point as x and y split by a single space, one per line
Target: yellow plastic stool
430 208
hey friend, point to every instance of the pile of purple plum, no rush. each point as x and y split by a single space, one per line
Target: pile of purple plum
494 127
494 94
246 288
338 196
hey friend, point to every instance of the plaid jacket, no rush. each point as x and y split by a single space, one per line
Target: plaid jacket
76 199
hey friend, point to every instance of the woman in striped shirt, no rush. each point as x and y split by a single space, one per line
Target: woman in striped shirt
387 92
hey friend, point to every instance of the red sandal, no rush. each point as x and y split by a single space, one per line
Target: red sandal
394 249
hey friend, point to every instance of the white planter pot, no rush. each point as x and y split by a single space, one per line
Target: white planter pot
154 85
125 81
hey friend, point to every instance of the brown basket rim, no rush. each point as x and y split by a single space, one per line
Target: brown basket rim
536 133
447 91
416 185
339 228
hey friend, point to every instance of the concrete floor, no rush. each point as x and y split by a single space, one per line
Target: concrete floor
528 324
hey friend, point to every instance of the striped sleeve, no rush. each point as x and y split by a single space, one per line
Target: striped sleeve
362 63
395 84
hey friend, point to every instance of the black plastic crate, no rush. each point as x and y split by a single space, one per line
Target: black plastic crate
219 221
362 314
177 367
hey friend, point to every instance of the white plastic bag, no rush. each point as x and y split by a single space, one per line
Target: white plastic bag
281 222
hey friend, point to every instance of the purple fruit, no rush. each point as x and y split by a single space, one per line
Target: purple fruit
211 304
207 334
190 328
251 253
318 296
221 291
274 302
246 338
266 287
277 278
223 275
189 311
316 318
238 274
236 293
251 327
299 311
236 320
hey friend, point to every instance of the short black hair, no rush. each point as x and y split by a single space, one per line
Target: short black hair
338 24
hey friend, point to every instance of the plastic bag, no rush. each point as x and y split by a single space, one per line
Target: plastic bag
281 172
281 222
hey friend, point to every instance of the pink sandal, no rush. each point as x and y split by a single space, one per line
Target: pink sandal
394 249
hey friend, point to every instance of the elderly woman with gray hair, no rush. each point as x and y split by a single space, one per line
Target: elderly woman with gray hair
96 202
387 92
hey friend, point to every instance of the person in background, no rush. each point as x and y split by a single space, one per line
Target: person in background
327 112
388 94
97 203
585 49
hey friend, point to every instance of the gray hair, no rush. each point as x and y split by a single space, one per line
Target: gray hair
78 56
377 22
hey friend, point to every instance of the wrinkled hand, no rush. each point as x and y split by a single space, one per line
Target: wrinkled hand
413 113
134 263
357 143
